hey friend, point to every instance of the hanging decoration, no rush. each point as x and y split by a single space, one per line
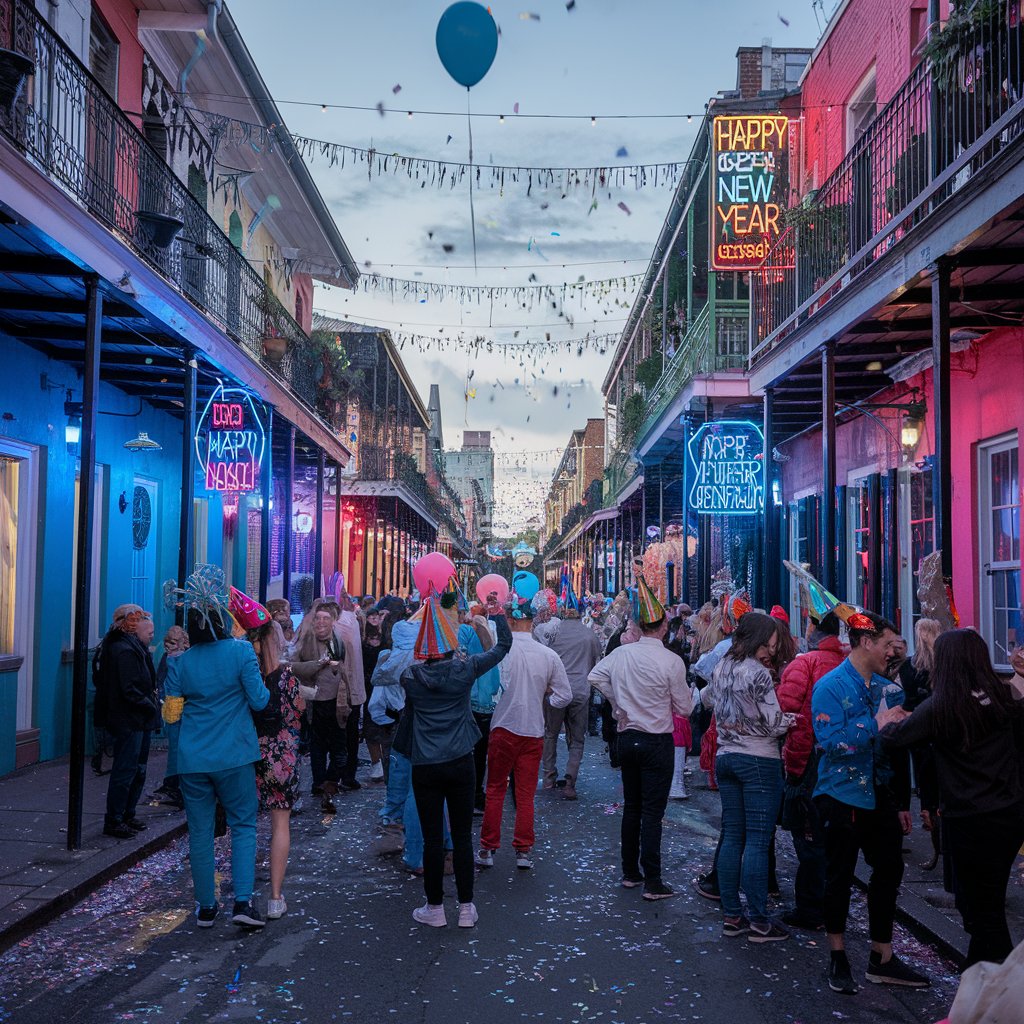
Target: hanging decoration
527 296
477 343
231 132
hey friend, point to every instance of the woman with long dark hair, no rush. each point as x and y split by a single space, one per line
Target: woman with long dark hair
212 690
976 729
748 766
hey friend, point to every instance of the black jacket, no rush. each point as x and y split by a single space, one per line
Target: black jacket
985 778
128 685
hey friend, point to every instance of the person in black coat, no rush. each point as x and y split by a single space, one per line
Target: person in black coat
975 724
132 713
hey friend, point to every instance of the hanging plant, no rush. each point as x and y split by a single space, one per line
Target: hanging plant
946 50
648 372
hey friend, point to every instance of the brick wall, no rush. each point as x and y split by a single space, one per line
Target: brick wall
866 34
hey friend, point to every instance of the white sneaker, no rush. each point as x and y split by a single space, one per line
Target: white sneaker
523 860
276 909
484 858
377 772
468 916
434 916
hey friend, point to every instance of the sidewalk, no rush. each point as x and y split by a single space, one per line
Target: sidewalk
39 877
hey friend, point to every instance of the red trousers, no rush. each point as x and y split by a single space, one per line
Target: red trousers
507 752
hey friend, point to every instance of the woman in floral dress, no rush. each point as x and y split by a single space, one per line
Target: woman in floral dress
277 726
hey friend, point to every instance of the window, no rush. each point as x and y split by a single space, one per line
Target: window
235 229
918 33
800 553
861 109
863 540
300 309
10 493
103 54
999 535
922 530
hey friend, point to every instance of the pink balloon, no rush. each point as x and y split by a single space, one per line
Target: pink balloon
490 584
436 569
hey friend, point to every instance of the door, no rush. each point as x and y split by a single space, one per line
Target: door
917 539
144 506
999 502
18 489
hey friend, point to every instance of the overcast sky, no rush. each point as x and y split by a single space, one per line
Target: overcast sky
603 57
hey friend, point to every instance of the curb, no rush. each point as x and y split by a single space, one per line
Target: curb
45 913
927 923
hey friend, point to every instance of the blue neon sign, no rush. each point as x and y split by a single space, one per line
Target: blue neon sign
727 469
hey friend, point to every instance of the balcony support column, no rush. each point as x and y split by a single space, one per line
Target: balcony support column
942 475
289 491
770 519
266 516
340 565
186 556
827 528
684 569
83 557
318 550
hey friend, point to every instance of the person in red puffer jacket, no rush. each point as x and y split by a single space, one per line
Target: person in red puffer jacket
799 759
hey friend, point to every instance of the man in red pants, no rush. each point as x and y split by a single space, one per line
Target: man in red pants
516 740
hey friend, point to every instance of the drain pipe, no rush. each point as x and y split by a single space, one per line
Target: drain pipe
210 33
205 30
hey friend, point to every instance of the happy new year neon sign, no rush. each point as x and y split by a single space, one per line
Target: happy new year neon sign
231 441
727 458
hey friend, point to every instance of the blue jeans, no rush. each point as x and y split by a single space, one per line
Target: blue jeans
235 788
400 806
751 791
127 776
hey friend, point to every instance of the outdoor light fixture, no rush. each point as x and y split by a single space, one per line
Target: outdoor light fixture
73 427
143 443
874 366
912 428
593 122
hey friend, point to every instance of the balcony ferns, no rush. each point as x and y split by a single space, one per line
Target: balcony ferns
648 371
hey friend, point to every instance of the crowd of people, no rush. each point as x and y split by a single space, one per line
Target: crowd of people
826 737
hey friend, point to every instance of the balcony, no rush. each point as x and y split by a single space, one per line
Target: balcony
72 131
709 346
954 116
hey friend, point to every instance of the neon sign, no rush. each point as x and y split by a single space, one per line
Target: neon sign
748 180
727 459
231 441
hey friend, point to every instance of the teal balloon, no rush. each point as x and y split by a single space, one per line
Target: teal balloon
525 584
467 40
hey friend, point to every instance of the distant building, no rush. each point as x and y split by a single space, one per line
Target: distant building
471 473
581 464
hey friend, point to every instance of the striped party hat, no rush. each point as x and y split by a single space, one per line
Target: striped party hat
651 609
436 637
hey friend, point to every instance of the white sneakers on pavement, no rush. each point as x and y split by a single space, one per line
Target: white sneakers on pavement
377 772
484 858
433 916
276 909
468 916
523 860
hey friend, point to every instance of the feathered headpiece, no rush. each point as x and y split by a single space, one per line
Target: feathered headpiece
205 592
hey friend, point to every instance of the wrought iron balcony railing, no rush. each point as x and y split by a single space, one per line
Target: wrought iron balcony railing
70 128
950 118
702 350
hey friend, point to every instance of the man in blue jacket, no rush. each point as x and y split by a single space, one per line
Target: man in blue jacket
854 796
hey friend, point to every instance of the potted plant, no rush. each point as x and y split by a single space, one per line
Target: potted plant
14 69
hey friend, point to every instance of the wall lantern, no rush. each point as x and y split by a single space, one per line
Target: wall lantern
912 428
73 427
143 443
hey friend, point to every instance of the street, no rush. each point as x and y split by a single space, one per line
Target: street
561 943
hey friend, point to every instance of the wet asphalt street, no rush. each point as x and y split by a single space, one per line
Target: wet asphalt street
563 943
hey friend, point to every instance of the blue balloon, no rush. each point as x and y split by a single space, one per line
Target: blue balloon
467 40
525 584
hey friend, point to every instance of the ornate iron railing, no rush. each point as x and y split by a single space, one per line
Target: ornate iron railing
70 128
949 119
702 350
621 469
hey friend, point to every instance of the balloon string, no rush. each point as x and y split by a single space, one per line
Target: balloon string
472 212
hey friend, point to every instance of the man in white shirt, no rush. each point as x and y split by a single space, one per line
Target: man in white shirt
516 741
646 684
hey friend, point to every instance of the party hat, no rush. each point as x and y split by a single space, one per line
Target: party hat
734 607
436 637
249 614
460 598
651 609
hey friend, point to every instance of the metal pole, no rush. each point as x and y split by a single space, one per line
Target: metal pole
186 526
318 550
828 465
83 555
942 475
339 564
664 306
289 491
684 569
266 517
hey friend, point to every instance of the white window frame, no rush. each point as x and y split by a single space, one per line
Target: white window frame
854 478
25 610
867 83
907 580
983 509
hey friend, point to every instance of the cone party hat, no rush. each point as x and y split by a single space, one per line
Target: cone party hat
436 637
651 609
249 614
